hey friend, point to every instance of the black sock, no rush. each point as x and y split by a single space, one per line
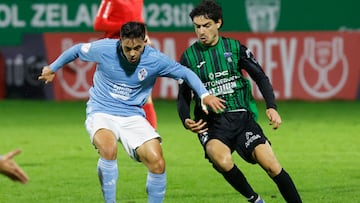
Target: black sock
238 181
287 187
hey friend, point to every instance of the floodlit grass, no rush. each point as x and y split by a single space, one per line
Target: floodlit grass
317 144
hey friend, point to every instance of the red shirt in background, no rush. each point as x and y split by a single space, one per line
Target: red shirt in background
112 14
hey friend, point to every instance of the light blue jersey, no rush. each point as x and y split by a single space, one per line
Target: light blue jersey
120 88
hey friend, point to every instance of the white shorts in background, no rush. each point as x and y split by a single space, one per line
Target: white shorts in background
131 131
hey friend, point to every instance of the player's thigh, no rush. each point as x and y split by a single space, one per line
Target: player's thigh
265 156
105 140
219 154
218 151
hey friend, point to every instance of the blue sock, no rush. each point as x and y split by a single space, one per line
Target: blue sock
108 174
155 187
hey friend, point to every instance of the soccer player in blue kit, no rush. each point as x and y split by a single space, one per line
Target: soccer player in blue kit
125 75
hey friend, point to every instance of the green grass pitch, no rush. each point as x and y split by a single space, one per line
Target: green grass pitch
317 143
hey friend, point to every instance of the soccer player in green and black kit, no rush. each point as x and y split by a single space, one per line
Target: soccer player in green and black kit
219 63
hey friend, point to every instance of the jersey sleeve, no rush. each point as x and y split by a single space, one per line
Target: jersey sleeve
184 98
173 69
253 68
81 50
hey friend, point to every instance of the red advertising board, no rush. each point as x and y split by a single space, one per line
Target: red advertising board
308 65
301 65
73 81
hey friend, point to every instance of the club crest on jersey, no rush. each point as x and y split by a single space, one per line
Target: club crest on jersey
85 47
228 55
142 74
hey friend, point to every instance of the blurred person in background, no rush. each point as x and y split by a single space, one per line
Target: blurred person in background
112 14
220 62
126 71
9 168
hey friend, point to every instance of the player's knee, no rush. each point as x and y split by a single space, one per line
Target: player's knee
157 165
108 153
153 160
107 150
222 162
226 166
273 169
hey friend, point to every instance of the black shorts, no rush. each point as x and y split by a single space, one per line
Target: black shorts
238 130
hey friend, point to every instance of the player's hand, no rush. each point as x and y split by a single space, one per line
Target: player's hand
215 103
47 75
274 118
196 127
9 167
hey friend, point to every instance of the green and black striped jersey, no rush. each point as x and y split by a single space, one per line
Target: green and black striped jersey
220 68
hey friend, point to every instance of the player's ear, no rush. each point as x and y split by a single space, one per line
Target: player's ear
219 23
147 40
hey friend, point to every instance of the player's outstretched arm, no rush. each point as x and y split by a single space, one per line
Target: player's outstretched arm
9 168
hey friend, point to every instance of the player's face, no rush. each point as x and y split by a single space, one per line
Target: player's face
207 30
132 48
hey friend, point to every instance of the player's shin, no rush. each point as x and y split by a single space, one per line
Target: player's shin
238 181
287 187
108 174
155 187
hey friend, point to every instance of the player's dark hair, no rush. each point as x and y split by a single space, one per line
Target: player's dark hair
209 9
133 30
